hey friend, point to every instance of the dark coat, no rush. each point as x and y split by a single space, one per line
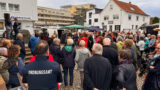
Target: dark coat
111 54
153 78
56 52
68 57
63 38
32 43
90 42
22 51
97 73
126 76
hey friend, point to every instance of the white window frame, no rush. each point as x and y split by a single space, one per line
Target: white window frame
4 8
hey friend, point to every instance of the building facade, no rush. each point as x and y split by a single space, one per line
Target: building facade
53 17
74 8
24 10
118 15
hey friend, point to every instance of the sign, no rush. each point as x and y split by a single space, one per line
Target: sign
1 25
22 18
110 22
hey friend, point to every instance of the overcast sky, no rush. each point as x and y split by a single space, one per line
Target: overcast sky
151 7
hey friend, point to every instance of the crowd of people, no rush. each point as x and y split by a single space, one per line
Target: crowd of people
104 60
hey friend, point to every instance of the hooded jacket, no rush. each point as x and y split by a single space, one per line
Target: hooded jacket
55 50
81 56
32 43
68 55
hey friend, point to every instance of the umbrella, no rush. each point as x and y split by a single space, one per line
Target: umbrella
94 28
157 29
75 27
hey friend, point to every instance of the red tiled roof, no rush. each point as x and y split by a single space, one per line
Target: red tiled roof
128 7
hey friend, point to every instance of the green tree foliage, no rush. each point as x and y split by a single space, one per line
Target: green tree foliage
155 20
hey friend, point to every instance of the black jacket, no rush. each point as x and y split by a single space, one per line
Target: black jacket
126 76
97 73
56 52
90 42
22 51
111 54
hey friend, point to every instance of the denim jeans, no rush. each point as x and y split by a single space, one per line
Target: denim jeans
66 76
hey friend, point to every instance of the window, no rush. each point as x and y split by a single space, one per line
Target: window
96 20
13 7
3 6
111 7
90 21
90 15
137 18
143 18
115 17
129 17
106 18
136 26
132 26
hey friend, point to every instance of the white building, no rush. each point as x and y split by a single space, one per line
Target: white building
118 15
93 17
24 10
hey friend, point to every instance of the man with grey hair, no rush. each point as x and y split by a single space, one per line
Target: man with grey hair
97 71
19 41
55 50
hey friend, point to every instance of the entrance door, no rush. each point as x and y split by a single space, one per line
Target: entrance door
110 27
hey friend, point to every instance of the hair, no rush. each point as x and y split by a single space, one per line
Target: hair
141 38
5 42
101 40
97 48
119 38
125 55
107 41
19 35
15 19
82 43
70 42
3 50
56 40
41 48
14 51
128 43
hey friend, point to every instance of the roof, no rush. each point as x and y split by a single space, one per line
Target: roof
98 10
128 7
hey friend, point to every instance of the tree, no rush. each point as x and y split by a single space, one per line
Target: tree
155 20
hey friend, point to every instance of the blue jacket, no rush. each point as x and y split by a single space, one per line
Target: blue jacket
42 74
32 43
22 51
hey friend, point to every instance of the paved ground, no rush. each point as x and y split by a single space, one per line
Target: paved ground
77 82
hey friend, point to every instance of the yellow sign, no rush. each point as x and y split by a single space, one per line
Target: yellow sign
1 25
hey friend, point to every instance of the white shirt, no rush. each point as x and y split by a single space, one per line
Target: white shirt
141 45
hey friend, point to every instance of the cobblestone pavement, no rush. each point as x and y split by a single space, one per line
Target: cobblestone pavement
77 82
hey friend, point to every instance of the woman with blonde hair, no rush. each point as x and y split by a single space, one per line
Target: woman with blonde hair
14 65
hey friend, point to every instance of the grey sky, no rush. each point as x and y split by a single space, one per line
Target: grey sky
151 7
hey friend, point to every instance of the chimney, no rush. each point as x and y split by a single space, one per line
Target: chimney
130 3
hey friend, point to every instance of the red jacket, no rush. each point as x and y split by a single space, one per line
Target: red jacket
86 41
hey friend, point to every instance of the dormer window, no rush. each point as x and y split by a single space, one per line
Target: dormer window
132 8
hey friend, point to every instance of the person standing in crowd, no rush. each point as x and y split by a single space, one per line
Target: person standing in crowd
125 72
157 40
34 72
75 38
8 25
68 56
141 44
33 42
152 43
44 34
90 41
112 55
69 34
19 41
63 38
6 43
3 57
81 55
119 43
55 50
16 27
153 77
14 65
97 71
146 47
85 38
